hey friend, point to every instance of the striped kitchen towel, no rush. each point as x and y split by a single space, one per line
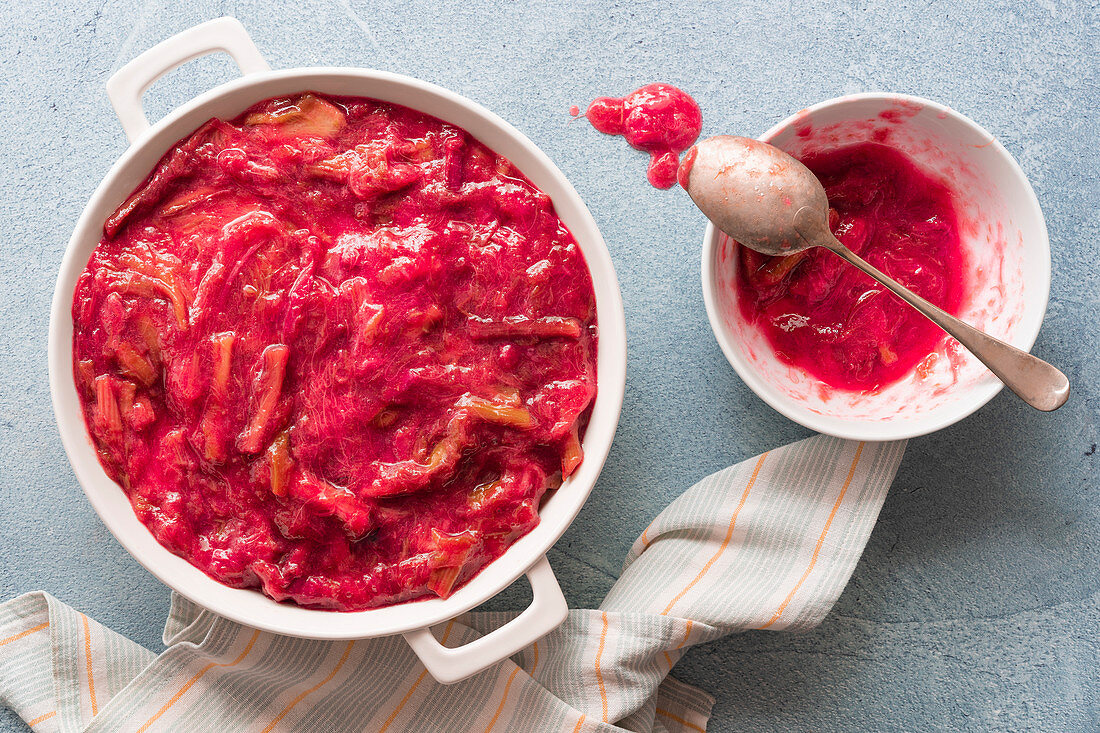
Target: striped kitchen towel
766 544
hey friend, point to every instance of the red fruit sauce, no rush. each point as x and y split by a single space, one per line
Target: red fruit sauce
336 350
658 118
827 317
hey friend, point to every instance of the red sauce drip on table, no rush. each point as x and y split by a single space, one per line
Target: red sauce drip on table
827 317
337 350
658 118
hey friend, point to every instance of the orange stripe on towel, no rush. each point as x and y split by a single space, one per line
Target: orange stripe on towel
687 633
319 685
503 699
190 683
41 719
599 675
725 542
680 720
21 634
88 660
820 540
409 694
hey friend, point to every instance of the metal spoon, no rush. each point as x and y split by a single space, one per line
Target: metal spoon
770 202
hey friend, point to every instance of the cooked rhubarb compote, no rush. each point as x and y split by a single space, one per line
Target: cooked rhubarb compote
830 319
336 350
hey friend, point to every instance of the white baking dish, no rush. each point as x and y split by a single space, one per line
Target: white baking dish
413 619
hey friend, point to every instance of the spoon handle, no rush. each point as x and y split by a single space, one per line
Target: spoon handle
1036 382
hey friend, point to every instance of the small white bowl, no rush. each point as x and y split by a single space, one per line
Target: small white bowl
1007 252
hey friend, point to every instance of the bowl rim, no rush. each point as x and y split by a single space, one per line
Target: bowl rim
867 429
290 619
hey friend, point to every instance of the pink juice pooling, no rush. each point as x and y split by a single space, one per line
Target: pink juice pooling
336 350
828 318
658 118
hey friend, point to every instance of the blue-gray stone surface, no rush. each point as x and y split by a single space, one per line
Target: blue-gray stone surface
976 605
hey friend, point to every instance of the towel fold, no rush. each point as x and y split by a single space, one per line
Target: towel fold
766 544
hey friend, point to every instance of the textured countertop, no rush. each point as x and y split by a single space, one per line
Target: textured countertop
977 603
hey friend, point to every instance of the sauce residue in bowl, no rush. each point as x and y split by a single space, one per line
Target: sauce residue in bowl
825 316
337 350
657 118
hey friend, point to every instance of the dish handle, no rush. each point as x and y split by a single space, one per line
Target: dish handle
129 83
546 613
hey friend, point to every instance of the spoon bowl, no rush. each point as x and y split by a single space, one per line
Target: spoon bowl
752 191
